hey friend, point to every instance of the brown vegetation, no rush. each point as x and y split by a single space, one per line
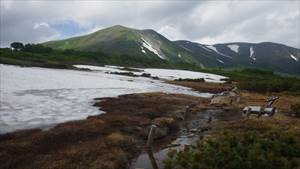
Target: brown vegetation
246 98
106 141
203 86
111 140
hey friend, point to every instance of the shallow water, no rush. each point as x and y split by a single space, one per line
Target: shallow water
197 121
33 97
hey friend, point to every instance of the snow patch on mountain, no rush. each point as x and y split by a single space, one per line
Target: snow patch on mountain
204 47
143 50
186 48
150 48
216 50
221 61
252 53
294 58
234 48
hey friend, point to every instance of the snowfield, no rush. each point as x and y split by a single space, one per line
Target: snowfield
171 74
40 97
219 60
234 48
216 50
167 74
205 48
150 48
294 58
252 53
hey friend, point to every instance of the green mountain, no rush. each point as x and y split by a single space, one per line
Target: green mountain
148 44
122 40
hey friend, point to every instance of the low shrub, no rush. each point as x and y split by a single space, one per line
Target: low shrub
263 81
295 108
125 74
191 80
248 150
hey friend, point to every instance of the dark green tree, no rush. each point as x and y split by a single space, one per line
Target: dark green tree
17 46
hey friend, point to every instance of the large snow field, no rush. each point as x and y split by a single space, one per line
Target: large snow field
33 97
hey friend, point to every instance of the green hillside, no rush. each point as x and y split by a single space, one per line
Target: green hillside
121 45
127 41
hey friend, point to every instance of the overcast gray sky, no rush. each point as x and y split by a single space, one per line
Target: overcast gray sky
206 22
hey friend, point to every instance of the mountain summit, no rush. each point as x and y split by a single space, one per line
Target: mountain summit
149 44
123 40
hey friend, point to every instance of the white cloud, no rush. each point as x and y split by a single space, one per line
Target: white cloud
247 22
40 25
171 32
205 21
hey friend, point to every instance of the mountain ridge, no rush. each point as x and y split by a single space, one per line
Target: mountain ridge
147 43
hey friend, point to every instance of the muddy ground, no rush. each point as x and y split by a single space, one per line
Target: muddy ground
111 140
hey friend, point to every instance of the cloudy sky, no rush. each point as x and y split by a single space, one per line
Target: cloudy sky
206 22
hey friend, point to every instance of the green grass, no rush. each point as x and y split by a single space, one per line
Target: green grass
263 81
70 57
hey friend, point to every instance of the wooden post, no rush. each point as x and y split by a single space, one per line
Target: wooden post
150 135
149 147
248 112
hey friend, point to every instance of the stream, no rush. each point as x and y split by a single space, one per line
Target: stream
191 129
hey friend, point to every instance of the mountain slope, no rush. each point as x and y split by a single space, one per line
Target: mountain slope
148 44
266 55
122 40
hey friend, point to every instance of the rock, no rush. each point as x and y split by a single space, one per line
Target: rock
191 135
221 100
155 77
226 97
193 130
164 121
146 75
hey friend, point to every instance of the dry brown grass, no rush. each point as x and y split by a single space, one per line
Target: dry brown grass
164 121
247 98
149 105
283 103
203 86
107 141
118 138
